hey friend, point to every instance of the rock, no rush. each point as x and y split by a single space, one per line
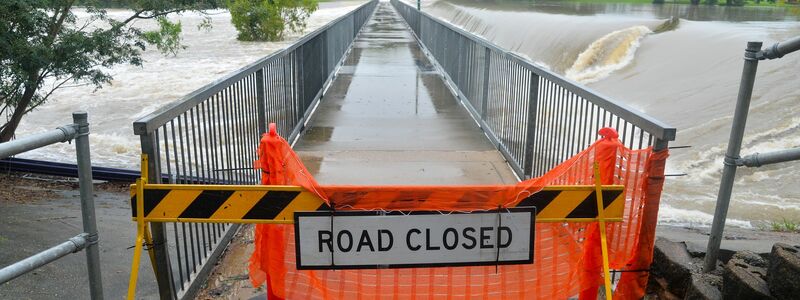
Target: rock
660 289
751 258
704 287
743 281
699 250
784 271
671 261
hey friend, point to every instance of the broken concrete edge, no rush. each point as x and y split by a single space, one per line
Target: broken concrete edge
677 274
783 273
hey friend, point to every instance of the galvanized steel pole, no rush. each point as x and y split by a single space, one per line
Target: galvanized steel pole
21 267
760 159
60 135
732 154
80 119
778 50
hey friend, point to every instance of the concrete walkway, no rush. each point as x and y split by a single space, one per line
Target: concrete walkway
388 118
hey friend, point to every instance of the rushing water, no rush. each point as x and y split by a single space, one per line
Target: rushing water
137 91
687 77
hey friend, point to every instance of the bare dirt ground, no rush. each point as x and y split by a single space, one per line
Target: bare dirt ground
230 279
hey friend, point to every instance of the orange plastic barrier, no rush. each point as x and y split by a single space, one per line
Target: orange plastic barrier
566 256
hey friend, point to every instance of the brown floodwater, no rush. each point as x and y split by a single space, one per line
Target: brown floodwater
687 77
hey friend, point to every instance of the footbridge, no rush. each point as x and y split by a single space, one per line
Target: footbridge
389 95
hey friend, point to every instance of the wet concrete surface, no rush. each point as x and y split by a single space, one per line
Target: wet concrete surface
38 214
387 118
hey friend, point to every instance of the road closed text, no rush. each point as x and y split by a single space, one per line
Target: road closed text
369 240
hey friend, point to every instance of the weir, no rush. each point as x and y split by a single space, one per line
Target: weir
383 95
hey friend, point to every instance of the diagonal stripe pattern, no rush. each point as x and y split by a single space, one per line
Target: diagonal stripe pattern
277 204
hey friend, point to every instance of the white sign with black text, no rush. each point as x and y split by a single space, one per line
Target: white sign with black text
369 239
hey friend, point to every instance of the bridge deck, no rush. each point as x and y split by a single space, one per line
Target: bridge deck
388 118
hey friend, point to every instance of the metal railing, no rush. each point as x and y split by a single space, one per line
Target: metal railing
752 54
211 136
535 118
88 240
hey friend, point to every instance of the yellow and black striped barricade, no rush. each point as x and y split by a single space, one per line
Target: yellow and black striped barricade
275 204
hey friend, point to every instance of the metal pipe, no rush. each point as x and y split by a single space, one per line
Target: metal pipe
778 50
732 154
21 267
760 159
59 135
80 119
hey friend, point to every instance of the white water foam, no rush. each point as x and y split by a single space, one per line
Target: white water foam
668 215
137 91
609 53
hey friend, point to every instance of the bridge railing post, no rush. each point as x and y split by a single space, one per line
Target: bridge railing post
163 271
261 102
732 154
87 204
487 56
530 135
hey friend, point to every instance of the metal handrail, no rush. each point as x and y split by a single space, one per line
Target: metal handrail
533 116
88 239
658 128
161 116
752 55
211 134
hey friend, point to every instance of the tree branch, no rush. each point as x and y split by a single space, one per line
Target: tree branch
133 17
46 96
55 28
164 13
138 14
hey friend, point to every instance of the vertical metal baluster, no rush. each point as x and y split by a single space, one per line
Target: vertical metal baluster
194 153
533 107
174 225
190 174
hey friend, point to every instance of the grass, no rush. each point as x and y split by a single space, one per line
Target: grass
776 3
785 226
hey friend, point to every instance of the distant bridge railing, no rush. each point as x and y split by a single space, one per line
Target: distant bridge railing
211 135
535 118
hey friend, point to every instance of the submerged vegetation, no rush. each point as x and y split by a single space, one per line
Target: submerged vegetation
269 20
44 46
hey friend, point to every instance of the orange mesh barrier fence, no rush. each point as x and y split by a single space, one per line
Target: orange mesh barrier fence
566 257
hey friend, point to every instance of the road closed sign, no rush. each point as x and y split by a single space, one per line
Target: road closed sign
369 239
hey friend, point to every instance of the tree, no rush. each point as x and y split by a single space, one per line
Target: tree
43 47
269 20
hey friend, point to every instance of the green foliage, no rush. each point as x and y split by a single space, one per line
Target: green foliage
269 20
44 47
785 226
167 38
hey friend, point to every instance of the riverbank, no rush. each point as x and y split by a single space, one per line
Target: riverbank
37 212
